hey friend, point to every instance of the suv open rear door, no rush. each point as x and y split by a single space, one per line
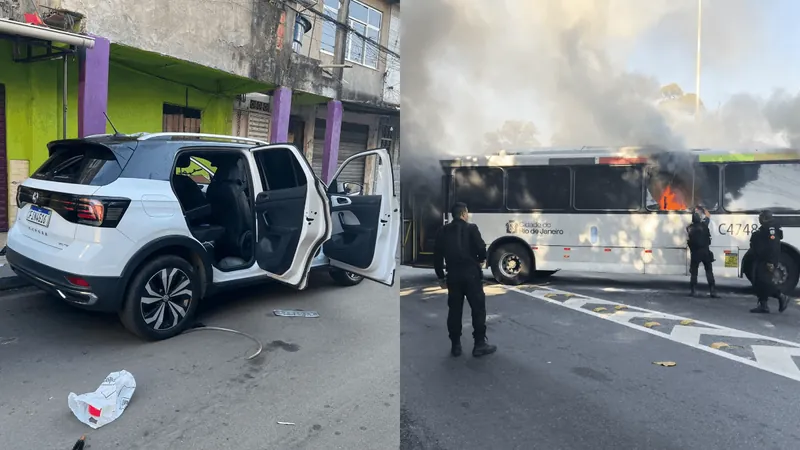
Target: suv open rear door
365 217
292 214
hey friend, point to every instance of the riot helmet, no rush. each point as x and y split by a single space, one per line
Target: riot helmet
765 217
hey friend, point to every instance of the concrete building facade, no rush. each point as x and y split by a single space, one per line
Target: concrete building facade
192 66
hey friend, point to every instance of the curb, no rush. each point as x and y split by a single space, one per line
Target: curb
12 282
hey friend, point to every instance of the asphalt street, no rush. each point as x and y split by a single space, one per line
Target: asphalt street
575 368
336 378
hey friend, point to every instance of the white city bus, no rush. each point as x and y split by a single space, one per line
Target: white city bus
613 210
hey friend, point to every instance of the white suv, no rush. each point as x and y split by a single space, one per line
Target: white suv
148 225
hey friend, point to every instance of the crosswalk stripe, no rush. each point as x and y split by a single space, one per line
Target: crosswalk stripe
777 359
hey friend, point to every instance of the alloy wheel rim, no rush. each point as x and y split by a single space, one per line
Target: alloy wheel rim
353 276
167 297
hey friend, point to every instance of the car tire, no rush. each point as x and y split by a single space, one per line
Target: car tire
165 316
511 264
344 278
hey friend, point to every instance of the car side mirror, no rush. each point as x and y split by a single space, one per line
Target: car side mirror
350 188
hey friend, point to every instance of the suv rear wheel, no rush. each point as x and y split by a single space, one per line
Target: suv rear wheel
161 299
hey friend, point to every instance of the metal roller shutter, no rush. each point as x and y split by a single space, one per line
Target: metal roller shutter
353 139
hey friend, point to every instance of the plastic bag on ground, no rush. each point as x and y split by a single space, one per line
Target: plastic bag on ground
107 403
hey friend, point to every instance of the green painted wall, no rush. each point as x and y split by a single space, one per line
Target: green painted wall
33 105
135 102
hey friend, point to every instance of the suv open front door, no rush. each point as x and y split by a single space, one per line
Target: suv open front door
292 214
365 217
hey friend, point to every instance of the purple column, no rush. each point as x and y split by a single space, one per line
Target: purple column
93 88
330 151
281 106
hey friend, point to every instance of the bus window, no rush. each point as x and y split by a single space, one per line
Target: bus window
480 188
608 188
757 186
667 191
706 186
538 188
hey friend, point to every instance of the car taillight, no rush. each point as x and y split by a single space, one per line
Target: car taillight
104 212
20 202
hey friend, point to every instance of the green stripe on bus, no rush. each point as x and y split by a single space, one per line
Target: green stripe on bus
750 157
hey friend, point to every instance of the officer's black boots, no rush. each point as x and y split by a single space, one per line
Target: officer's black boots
692 291
783 302
762 307
455 349
482 348
713 292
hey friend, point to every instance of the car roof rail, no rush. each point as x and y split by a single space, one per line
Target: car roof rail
216 137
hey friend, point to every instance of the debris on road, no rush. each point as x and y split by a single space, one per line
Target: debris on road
200 326
286 423
6 341
687 322
665 363
621 307
719 345
295 313
599 309
105 404
651 324
80 444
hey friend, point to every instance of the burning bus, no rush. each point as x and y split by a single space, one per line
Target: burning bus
609 210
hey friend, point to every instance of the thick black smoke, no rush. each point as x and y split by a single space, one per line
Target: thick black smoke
472 64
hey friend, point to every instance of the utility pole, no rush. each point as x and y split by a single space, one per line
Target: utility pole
339 45
697 69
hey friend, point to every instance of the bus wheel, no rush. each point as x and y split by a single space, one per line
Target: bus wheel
787 273
511 264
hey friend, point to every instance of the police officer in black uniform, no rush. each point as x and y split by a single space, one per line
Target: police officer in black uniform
700 250
765 243
461 246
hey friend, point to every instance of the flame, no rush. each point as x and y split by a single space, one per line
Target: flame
670 201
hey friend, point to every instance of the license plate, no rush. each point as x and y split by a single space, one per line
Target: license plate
39 216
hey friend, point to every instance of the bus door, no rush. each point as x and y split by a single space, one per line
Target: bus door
427 217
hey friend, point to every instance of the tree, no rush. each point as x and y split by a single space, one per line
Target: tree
513 134
673 98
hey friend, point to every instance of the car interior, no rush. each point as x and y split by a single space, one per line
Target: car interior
280 209
355 224
222 216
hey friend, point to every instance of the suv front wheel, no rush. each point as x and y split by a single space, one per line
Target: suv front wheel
161 299
344 278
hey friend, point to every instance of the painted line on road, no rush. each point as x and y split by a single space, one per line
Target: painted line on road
766 353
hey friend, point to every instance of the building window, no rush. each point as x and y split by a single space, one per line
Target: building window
364 20
328 40
178 119
538 188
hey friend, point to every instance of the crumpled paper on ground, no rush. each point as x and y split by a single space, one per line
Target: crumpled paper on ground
105 404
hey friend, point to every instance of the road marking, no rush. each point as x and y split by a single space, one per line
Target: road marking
769 354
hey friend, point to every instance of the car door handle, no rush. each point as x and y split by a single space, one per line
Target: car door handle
342 201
